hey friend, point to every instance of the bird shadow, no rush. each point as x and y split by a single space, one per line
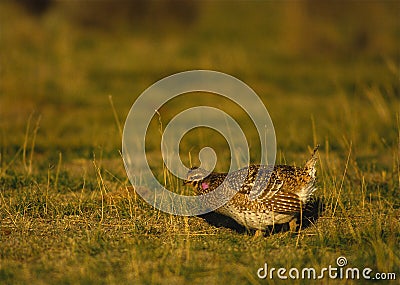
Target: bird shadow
310 215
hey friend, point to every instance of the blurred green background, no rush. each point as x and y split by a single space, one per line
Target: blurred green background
306 59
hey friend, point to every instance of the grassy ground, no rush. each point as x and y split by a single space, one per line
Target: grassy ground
327 73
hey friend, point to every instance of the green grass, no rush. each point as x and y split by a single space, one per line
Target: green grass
67 213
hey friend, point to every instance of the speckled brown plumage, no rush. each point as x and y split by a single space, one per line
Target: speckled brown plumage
275 200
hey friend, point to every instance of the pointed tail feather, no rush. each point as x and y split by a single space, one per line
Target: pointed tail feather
313 160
